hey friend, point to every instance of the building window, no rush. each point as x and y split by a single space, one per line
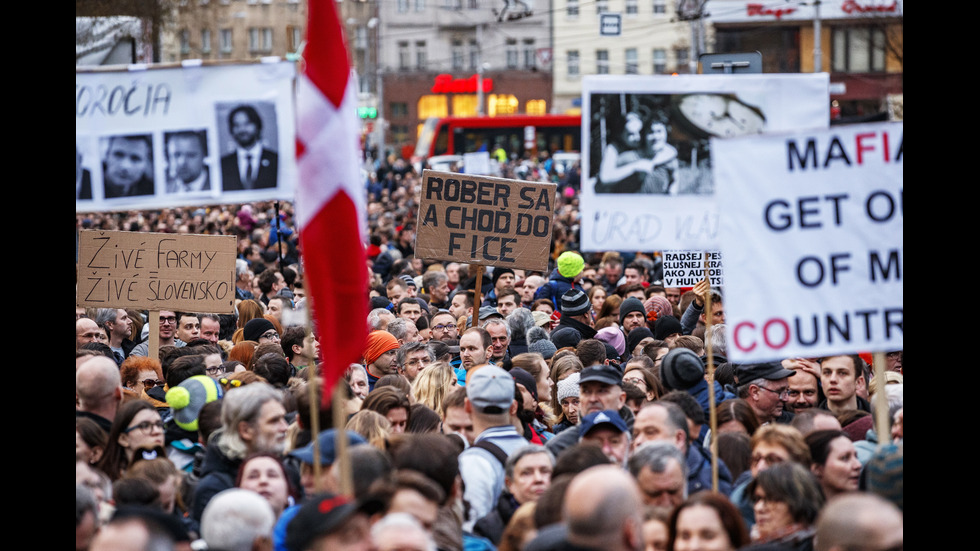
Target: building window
601 6
361 38
458 55
403 56
225 38
474 4
632 7
474 54
573 69
296 34
602 62
397 109
419 5
185 41
529 53
632 62
502 104
402 6
659 61
659 6
260 39
858 49
206 41
433 105
511 53
683 56
420 56
571 9
536 107
464 105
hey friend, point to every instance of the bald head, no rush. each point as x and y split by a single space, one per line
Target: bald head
86 331
98 385
603 508
859 520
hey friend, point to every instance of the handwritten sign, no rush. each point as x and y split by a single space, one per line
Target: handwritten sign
485 220
686 268
156 271
813 226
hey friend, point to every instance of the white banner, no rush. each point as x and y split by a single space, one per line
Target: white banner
686 268
164 137
647 158
812 228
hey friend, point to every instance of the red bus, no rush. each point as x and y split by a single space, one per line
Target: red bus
459 135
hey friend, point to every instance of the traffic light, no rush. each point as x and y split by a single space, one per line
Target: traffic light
367 112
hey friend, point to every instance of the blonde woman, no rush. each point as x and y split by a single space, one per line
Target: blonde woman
433 383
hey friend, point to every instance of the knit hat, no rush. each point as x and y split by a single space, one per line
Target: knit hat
380 302
884 473
566 336
525 379
575 303
637 335
409 280
665 327
187 399
378 342
570 264
497 272
631 304
568 386
681 369
539 341
255 328
660 305
612 336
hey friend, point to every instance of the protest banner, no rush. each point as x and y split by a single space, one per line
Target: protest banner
156 271
484 220
686 268
812 225
175 136
647 163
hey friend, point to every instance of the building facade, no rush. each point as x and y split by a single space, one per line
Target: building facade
650 41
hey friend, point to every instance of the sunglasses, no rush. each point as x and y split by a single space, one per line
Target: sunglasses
150 383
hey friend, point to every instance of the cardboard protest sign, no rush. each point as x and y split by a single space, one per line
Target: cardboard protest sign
176 136
812 228
156 271
686 268
485 220
647 159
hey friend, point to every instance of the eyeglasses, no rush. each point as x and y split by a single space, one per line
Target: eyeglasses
444 327
215 370
770 459
150 383
782 393
270 334
171 319
145 427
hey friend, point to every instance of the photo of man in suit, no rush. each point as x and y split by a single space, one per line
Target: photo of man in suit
187 169
252 165
128 166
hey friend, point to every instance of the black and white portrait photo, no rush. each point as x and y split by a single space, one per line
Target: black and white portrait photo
249 157
127 165
188 170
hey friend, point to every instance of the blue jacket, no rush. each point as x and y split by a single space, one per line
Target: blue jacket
699 471
556 286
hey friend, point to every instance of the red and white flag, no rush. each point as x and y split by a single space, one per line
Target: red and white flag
330 198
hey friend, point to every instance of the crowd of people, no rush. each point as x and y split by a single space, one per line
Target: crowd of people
564 409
